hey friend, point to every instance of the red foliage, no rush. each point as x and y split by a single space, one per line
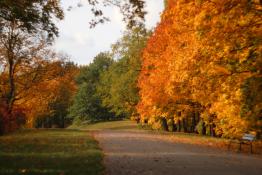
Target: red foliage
10 121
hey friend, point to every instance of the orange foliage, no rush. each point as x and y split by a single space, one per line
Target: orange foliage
39 97
36 88
203 52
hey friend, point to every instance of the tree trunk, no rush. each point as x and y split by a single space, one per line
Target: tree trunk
203 128
11 93
212 130
193 123
63 121
164 124
11 71
179 126
174 126
1 126
184 125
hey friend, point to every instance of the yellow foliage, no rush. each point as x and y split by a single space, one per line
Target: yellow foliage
202 53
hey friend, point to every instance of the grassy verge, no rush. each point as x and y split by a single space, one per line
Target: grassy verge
57 152
176 137
196 139
108 125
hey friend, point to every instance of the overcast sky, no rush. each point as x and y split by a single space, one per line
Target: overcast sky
82 43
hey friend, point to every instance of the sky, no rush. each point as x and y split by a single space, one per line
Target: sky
81 43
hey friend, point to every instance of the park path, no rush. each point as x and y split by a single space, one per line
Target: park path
144 153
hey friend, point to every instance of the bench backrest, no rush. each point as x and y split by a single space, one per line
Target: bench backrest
248 137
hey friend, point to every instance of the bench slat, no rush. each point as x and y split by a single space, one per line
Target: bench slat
248 137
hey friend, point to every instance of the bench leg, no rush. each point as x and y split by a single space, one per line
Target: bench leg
239 148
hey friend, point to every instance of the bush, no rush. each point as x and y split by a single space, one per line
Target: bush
171 125
200 127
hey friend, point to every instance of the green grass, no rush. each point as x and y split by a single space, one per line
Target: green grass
109 125
59 152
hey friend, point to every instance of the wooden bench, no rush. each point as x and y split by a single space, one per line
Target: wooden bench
247 139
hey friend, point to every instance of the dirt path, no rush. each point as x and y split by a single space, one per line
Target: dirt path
142 153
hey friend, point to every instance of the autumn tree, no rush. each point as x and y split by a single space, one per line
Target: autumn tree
205 57
25 28
53 96
27 72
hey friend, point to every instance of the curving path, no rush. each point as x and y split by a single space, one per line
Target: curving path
143 153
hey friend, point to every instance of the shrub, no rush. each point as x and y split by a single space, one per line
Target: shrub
200 127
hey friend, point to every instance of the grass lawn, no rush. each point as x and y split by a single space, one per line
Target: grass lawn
112 125
57 152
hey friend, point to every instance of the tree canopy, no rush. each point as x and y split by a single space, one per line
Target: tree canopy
118 86
31 16
205 59
87 104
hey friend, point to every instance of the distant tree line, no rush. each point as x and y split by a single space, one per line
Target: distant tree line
28 67
107 87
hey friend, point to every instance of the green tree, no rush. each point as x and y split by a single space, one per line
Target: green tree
30 16
87 105
118 86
